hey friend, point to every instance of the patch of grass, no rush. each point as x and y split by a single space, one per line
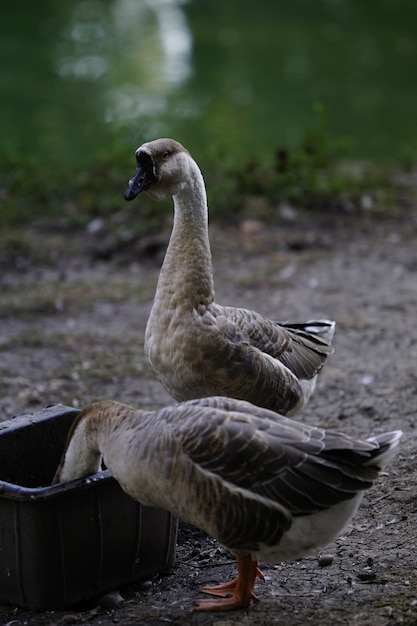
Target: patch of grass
404 604
39 299
4 387
109 364
33 338
96 361
46 194
56 297
403 601
311 175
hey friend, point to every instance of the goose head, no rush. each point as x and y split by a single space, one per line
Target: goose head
162 169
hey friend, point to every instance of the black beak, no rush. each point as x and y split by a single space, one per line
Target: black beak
143 179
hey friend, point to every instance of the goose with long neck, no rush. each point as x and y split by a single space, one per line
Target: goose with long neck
195 346
265 486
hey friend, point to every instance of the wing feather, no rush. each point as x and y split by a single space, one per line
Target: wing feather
303 348
303 469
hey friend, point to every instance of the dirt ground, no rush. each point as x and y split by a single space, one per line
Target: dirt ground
73 309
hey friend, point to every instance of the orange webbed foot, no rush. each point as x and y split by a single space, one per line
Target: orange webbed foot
221 604
236 593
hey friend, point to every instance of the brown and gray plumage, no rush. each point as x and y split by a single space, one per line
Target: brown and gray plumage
265 486
195 346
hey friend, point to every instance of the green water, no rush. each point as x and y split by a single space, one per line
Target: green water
80 77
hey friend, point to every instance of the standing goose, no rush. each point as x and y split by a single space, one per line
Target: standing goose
196 347
265 486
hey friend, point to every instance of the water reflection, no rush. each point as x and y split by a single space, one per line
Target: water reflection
140 48
84 37
216 75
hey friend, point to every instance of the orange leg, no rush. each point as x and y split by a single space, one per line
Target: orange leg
237 593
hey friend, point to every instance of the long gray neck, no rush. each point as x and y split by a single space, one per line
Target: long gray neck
186 272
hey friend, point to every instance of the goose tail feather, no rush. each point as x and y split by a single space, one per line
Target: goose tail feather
322 329
387 447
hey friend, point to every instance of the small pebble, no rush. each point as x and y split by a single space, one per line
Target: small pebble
325 560
110 600
69 619
147 584
366 577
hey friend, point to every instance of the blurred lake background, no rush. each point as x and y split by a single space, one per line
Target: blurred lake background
79 77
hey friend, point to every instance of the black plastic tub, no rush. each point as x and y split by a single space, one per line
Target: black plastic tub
60 544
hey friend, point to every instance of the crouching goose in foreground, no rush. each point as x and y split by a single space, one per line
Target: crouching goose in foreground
196 347
265 486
